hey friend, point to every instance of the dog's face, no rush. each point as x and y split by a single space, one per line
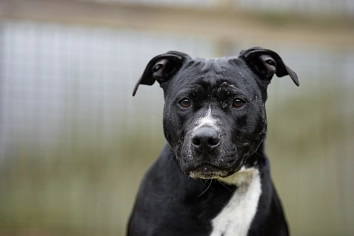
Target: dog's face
214 114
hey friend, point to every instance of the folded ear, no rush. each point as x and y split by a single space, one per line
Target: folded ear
266 63
161 68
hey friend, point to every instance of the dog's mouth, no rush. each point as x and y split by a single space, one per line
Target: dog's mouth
208 171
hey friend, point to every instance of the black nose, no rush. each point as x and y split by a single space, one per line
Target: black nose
205 139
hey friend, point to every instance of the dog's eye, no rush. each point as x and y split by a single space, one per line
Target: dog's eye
185 102
271 62
238 103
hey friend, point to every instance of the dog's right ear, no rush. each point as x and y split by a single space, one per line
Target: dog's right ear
161 68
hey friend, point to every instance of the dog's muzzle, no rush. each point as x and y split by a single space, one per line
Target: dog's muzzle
205 142
205 139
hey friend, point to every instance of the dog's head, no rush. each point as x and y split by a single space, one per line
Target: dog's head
214 114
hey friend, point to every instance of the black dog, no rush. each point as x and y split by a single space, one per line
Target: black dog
212 178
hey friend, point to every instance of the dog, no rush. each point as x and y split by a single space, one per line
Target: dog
212 177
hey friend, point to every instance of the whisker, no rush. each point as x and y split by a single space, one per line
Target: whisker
206 188
155 113
171 157
260 154
225 186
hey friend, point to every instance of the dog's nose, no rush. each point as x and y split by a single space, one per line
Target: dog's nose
205 139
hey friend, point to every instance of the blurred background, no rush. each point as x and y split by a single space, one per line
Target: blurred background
74 143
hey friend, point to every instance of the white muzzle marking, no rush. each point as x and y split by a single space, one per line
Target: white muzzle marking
207 120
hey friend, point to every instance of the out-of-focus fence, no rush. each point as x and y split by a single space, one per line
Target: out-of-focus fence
74 144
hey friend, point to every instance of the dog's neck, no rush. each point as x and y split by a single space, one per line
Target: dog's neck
257 159
242 177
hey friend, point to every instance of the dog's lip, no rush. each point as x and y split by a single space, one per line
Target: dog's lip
207 167
207 171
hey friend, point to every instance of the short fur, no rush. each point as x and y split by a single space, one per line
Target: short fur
212 177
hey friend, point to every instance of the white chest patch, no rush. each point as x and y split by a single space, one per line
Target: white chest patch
236 217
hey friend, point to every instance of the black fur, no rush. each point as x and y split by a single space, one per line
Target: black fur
170 202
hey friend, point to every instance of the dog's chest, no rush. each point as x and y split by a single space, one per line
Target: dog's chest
236 217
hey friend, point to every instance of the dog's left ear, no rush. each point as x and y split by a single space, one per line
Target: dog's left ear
266 63
161 68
